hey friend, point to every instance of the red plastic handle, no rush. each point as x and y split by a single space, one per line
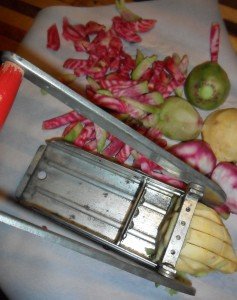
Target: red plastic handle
10 79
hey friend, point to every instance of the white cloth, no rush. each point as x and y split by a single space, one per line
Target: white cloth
32 268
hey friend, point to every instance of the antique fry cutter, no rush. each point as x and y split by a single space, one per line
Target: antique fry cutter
118 208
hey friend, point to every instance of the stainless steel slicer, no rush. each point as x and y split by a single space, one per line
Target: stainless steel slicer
120 209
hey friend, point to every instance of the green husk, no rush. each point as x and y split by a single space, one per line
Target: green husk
143 65
105 92
145 107
178 120
139 56
95 86
126 13
73 133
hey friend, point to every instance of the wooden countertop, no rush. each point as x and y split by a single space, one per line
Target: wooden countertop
16 17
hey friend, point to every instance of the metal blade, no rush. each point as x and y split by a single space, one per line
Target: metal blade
94 253
213 194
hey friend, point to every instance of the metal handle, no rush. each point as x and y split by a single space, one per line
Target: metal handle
94 253
193 195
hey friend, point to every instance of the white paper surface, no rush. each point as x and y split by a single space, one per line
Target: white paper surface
31 268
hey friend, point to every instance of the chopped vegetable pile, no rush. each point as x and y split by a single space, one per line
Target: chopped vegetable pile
142 91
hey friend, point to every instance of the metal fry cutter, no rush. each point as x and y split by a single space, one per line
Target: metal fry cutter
119 209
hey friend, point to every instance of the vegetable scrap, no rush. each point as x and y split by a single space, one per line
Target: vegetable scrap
197 154
53 39
214 41
62 120
225 174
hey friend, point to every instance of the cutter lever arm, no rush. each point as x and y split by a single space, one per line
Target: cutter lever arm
213 194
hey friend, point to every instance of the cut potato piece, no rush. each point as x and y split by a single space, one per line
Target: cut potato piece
182 266
207 246
211 243
211 228
206 212
198 267
212 260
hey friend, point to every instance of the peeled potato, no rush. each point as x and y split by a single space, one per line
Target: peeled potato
207 247
220 132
